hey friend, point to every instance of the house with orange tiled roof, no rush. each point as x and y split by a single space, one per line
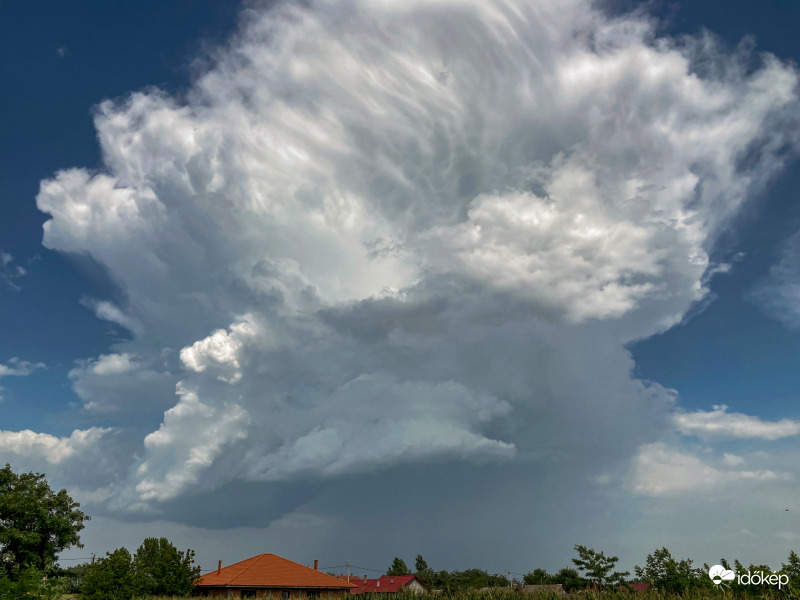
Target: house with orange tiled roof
270 576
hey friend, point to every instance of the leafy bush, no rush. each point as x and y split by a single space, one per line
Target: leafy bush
29 583
157 569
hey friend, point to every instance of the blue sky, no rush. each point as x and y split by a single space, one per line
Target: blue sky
75 55
334 248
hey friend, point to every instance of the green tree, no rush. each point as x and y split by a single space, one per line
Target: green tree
420 564
72 577
110 578
669 575
398 567
598 567
471 579
442 580
423 571
792 569
569 578
536 577
36 523
31 583
160 569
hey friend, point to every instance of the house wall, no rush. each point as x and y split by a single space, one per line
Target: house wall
274 593
415 587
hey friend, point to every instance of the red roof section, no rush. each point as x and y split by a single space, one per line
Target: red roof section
386 584
270 570
639 587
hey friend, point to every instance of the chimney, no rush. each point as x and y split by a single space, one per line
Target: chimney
316 562
391 580
219 567
365 580
379 582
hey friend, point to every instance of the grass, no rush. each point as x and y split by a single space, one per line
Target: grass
703 593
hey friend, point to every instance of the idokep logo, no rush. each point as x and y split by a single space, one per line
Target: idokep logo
720 574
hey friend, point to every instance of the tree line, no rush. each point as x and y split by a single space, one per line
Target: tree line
596 571
37 523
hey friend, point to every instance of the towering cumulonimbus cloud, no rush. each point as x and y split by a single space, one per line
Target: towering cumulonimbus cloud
376 234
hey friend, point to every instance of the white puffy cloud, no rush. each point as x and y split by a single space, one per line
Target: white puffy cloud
432 216
720 424
52 449
19 368
660 470
190 438
221 350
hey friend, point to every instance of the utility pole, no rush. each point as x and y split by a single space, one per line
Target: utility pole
348 572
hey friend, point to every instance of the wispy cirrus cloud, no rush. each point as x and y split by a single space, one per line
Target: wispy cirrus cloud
9 272
778 292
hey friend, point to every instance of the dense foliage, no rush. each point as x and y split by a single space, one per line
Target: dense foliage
156 569
36 523
597 567
29 582
110 578
398 567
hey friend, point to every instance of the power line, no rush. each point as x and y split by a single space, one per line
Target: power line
366 569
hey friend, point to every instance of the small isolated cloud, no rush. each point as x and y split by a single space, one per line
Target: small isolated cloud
720 424
108 311
18 368
61 51
9 272
778 293
733 460
660 470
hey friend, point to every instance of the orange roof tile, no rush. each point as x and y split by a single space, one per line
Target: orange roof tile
270 570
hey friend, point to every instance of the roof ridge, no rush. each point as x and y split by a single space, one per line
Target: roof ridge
272 567
305 566
248 567
240 561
